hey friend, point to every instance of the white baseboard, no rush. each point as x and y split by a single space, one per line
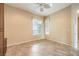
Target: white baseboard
35 40
20 43
61 43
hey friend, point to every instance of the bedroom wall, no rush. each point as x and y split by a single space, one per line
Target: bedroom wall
60 26
18 25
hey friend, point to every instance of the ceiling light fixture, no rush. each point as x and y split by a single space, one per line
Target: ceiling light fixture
50 4
43 6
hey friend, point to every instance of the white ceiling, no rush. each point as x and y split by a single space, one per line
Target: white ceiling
34 9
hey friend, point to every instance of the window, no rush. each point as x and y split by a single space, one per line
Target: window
36 26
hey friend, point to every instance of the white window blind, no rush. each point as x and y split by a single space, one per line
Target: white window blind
37 23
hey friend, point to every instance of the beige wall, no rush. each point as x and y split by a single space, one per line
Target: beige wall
18 25
60 26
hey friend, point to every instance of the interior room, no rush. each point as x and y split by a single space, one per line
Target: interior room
39 29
